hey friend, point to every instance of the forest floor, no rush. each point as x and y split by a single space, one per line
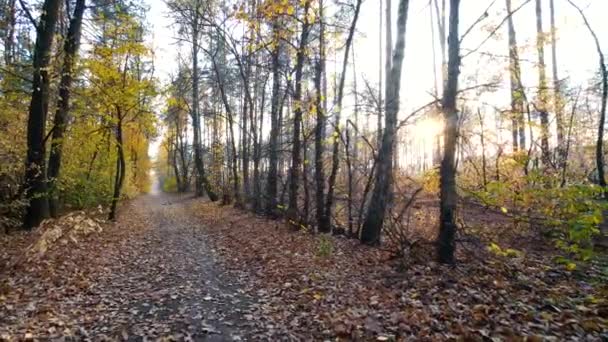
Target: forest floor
177 268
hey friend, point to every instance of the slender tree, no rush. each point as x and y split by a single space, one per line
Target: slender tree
337 115
541 105
517 91
296 153
382 194
558 106
448 194
275 111
322 220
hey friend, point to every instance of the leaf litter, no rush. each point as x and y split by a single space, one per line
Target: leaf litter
175 268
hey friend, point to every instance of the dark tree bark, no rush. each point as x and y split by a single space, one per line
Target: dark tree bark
542 87
257 152
70 50
322 220
202 183
517 91
380 109
230 118
296 154
120 169
35 168
449 197
338 112
372 226
273 156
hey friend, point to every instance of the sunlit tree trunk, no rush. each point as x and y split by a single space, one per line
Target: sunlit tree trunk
448 194
381 196
542 87
517 91
558 105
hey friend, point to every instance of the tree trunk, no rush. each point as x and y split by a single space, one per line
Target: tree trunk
273 157
542 87
517 95
338 112
257 152
201 178
120 170
322 220
449 197
558 106
35 170
70 50
372 226
296 154
380 96
9 36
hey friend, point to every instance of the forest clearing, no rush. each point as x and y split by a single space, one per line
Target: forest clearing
244 170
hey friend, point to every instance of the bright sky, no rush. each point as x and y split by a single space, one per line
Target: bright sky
577 58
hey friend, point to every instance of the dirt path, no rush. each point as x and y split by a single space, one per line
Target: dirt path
151 276
173 285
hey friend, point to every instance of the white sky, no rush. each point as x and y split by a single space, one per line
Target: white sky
577 58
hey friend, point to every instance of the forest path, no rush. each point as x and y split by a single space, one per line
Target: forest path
169 284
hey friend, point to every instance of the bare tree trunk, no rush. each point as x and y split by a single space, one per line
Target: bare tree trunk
380 96
599 150
70 50
382 194
338 112
483 150
120 169
202 183
542 87
35 170
449 196
517 95
10 22
178 179
296 161
273 157
257 154
558 106
230 119
322 220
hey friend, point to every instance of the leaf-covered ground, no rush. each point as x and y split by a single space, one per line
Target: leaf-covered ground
175 268
327 288
152 274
